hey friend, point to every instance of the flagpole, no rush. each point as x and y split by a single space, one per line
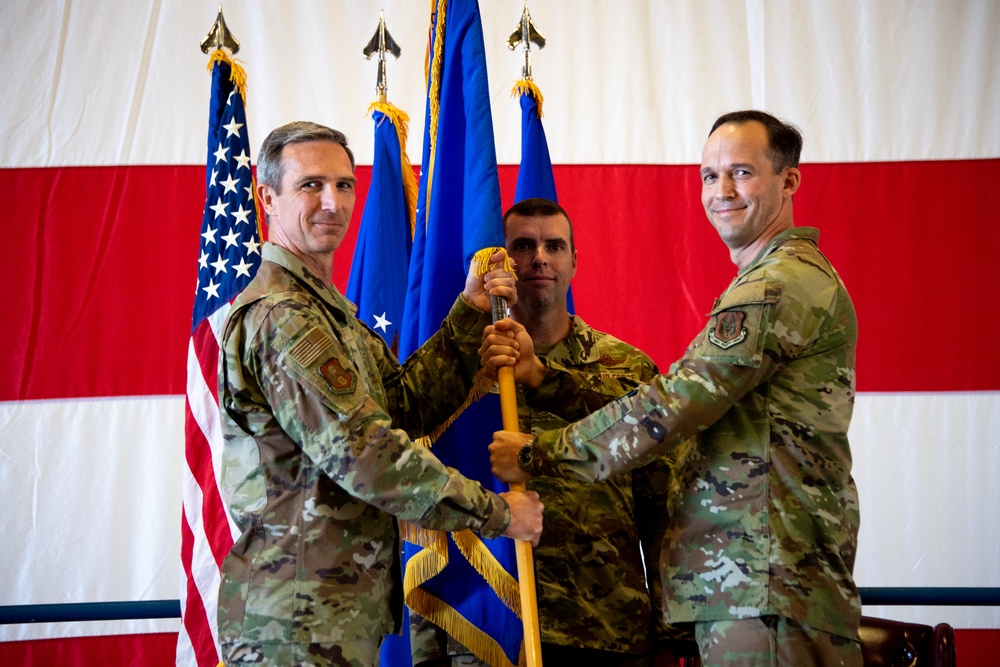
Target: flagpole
522 549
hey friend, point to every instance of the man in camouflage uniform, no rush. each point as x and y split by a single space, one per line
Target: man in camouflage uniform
761 553
593 597
314 465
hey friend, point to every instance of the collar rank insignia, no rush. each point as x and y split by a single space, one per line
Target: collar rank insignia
728 329
341 381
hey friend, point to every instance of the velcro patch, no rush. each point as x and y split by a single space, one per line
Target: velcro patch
728 329
608 360
310 346
341 380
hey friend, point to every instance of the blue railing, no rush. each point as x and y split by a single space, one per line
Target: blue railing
117 611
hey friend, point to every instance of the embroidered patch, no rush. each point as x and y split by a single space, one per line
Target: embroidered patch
728 329
309 347
608 360
341 381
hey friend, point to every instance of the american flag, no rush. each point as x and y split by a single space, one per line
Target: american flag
229 257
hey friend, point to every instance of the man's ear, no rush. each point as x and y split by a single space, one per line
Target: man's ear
265 195
793 178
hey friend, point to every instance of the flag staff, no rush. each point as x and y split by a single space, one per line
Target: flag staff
522 549
525 34
381 42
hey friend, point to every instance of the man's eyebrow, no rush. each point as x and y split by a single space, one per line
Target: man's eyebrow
728 167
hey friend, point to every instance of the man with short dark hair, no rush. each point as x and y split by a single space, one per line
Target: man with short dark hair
594 602
760 555
315 466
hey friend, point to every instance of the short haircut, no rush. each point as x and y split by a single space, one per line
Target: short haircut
269 171
784 140
537 207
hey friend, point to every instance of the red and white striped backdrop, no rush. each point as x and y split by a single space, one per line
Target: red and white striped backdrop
104 117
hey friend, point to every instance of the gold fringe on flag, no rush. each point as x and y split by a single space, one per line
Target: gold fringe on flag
401 121
481 558
528 87
431 561
236 72
438 612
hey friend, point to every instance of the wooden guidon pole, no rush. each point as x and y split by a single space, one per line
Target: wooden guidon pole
522 549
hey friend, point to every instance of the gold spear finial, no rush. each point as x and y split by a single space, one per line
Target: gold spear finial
525 34
381 42
219 36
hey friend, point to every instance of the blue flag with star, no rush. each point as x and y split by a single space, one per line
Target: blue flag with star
377 284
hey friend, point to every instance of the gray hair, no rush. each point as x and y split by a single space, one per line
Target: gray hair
269 171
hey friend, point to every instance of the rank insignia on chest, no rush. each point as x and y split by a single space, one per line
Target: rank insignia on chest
728 329
341 381
608 360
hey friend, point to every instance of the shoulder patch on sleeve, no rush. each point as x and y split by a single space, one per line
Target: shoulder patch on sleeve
735 332
728 329
341 380
309 347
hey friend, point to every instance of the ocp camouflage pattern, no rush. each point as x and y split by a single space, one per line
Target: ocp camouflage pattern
589 573
315 464
591 581
769 515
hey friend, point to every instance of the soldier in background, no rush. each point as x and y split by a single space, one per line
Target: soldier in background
315 466
760 555
594 603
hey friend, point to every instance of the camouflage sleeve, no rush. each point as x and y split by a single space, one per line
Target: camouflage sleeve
435 380
719 368
320 400
573 393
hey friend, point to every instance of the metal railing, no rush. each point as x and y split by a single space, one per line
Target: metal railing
118 611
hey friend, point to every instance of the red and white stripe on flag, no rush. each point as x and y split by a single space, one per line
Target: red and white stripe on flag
229 254
901 115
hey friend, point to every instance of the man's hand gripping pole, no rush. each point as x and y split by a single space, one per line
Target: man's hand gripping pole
522 549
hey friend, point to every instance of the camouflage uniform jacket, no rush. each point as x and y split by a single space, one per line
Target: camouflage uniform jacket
313 468
592 589
769 515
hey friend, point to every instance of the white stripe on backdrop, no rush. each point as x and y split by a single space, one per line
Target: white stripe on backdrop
105 526
627 82
92 487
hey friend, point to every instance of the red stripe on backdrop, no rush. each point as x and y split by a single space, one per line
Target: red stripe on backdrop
104 258
974 648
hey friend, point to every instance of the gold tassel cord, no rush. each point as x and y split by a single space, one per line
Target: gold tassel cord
434 92
401 121
528 87
481 261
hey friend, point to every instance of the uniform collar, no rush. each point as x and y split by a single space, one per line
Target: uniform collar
579 346
806 233
329 294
